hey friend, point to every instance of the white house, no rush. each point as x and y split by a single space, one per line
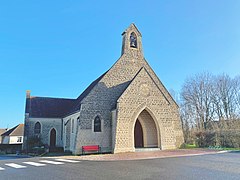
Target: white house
14 135
1 132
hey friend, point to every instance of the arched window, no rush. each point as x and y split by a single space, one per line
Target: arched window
97 124
133 40
37 128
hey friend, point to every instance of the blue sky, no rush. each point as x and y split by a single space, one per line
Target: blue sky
57 48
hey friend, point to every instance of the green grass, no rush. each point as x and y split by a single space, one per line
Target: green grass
231 149
223 148
188 146
192 146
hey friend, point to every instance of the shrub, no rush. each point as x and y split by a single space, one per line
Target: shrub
205 139
34 141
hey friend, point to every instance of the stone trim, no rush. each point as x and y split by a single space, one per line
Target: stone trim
49 135
102 124
136 115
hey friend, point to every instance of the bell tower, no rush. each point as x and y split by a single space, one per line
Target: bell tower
132 41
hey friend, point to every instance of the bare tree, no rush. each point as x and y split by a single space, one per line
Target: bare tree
225 97
196 95
188 118
210 110
237 94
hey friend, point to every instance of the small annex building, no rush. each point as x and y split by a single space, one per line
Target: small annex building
126 108
13 135
1 132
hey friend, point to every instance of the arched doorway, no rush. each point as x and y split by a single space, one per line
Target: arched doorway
145 131
138 135
53 138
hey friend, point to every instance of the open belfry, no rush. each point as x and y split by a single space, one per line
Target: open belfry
126 108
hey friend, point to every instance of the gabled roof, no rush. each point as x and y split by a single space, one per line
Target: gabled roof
16 131
46 107
143 69
84 94
2 131
132 25
161 84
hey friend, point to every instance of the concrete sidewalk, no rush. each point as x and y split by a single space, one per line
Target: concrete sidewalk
144 155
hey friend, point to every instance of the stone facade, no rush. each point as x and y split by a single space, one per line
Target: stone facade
47 124
127 92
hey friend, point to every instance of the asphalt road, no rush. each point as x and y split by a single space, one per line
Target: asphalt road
4 157
218 166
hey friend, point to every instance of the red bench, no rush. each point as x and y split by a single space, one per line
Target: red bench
91 148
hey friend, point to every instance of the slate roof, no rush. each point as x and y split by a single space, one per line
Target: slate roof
16 131
46 107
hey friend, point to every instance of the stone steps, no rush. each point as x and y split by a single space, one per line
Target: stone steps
146 149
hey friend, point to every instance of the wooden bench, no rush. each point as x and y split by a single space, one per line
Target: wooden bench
91 148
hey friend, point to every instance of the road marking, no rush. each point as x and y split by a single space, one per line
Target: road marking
51 162
1 169
34 164
17 166
67 160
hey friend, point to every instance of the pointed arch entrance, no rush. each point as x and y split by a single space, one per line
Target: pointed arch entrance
145 131
53 138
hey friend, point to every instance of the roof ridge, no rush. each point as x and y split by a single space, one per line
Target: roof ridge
84 94
131 81
164 88
140 70
10 131
51 98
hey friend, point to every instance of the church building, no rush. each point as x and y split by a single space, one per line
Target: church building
124 109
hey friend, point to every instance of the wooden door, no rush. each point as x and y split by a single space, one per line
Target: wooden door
53 138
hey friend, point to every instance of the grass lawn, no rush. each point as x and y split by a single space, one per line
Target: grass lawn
188 146
231 149
192 146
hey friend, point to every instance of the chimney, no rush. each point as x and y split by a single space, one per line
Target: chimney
28 94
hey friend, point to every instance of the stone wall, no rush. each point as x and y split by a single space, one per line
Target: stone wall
85 131
47 124
70 128
143 93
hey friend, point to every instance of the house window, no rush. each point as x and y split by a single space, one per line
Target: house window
97 124
37 128
19 139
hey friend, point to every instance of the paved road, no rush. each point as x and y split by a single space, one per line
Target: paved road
4 157
218 166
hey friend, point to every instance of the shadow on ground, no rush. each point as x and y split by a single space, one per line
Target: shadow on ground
5 157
